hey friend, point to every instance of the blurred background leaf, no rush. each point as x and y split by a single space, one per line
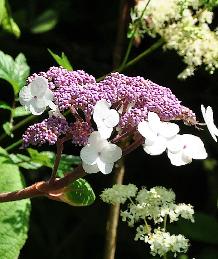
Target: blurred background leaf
46 21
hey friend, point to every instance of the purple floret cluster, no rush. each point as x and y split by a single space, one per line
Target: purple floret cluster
46 131
78 92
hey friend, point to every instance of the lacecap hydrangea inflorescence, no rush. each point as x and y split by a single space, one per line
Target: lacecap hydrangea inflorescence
102 114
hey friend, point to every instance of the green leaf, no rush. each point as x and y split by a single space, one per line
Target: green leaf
45 158
14 216
4 105
61 60
6 20
67 163
79 193
24 161
205 228
7 126
14 71
20 111
45 22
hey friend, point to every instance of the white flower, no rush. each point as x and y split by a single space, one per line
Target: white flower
156 133
36 96
99 154
105 118
183 148
208 118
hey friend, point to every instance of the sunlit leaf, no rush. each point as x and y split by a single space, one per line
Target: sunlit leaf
7 22
79 193
45 22
20 111
61 60
5 106
14 216
7 126
14 71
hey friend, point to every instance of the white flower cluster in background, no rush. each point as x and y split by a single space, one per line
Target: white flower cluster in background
160 136
119 193
150 210
99 154
184 26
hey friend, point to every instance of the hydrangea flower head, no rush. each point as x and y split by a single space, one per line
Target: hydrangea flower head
36 96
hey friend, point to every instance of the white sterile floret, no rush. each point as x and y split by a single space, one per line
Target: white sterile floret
208 118
99 154
183 148
105 118
36 96
118 193
156 133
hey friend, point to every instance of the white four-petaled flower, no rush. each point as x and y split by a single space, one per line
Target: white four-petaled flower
208 118
156 133
36 96
183 148
99 154
105 118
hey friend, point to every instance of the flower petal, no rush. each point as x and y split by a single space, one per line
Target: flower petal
111 153
39 86
35 110
90 169
105 132
157 148
178 158
168 129
112 118
25 95
208 118
194 147
105 168
94 138
175 144
88 155
154 121
145 130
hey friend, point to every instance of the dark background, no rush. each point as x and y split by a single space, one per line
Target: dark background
86 31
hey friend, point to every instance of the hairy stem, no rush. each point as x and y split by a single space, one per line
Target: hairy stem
15 144
60 147
45 187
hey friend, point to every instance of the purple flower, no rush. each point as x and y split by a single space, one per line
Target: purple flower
46 131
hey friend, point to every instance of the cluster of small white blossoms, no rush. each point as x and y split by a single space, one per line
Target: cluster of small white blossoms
99 154
184 26
152 208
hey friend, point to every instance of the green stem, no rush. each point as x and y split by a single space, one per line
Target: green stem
15 144
18 125
133 61
165 256
165 223
132 37
148 51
